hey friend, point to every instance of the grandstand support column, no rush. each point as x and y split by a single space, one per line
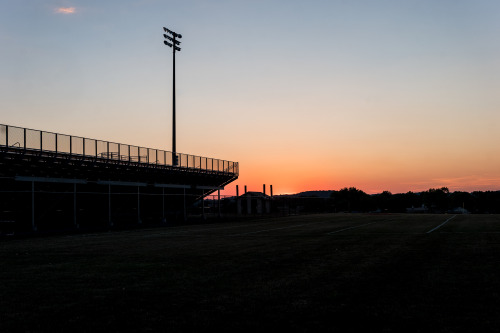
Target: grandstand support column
218 201
184 215
33 225
203 205
74 206
138 205
163 204
109 206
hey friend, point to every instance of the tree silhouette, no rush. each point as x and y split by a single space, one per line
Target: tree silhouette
352 200
436 199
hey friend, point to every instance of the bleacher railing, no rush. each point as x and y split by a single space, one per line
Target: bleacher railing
35 140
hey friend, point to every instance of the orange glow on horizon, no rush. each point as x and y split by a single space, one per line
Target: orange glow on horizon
370 177
371 187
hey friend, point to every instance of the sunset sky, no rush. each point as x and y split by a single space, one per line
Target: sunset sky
397 95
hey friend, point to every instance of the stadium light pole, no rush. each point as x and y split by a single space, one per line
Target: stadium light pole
171 41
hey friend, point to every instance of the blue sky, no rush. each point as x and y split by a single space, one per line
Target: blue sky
304 94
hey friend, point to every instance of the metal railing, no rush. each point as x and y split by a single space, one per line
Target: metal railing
35 140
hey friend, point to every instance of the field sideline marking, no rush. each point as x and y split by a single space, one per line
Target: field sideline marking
359 226
355 227
439 226
169 230
293 226
206 229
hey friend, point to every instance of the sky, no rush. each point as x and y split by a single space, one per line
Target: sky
396 95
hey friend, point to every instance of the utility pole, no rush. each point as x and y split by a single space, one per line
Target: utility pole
171 41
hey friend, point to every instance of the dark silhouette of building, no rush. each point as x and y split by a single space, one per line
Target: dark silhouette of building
52 181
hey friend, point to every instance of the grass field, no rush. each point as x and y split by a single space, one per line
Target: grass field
335 272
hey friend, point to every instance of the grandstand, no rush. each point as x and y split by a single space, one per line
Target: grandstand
52 181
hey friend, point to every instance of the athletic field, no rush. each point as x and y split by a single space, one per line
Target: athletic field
335 272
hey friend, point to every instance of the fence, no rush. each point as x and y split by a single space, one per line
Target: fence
35 140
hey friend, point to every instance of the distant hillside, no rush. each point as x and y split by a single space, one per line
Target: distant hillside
317 194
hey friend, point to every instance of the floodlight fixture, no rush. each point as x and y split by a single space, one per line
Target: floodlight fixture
171 39
176 35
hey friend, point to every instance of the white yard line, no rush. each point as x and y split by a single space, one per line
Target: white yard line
355 227
439 226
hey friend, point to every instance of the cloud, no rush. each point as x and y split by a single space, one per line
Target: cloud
65 10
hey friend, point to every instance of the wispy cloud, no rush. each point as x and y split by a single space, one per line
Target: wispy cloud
465 183
65 10
470 183
469 180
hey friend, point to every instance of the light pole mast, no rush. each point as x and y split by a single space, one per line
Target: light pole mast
171 41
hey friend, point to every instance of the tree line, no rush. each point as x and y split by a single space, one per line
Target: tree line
434 200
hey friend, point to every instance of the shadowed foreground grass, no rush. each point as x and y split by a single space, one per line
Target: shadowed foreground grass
303 273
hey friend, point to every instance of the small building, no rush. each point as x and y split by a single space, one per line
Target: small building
253 203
